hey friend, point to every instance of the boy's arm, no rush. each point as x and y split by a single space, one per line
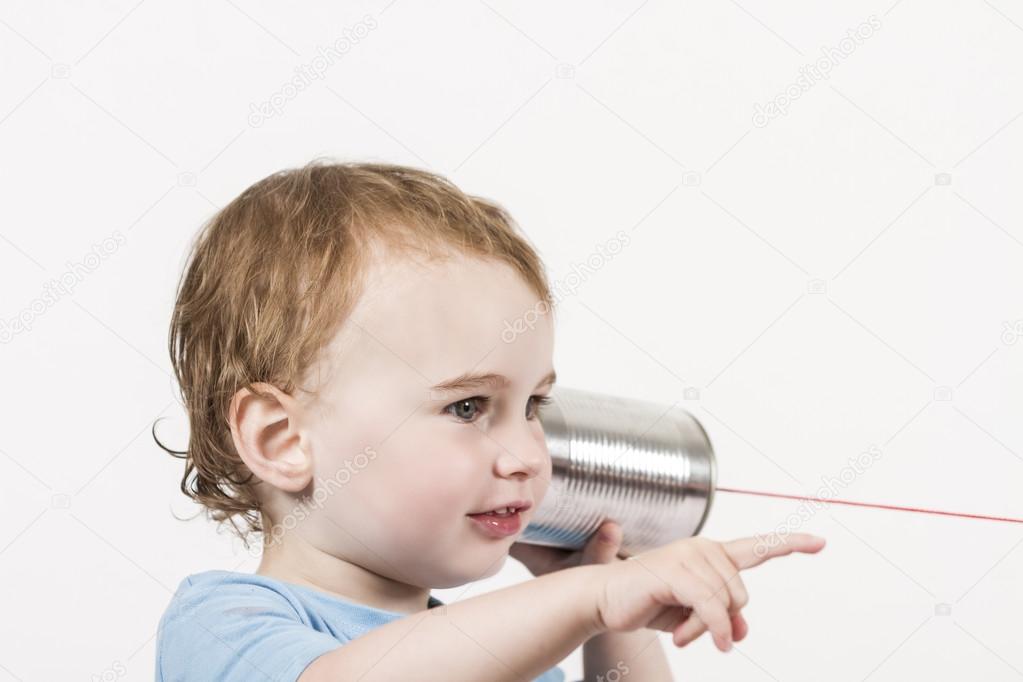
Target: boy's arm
511 634
615 655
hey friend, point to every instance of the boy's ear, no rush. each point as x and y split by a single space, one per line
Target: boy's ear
266 436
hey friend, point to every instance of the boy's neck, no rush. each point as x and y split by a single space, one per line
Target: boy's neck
294 561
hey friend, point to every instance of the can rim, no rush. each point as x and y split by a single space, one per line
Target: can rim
713 476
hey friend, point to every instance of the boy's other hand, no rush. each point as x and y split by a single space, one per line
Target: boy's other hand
603 547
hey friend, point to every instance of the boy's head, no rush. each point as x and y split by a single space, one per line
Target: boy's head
317 320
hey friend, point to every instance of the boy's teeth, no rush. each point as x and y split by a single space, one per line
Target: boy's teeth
502 510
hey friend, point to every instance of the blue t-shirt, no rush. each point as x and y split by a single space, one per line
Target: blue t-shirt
227 626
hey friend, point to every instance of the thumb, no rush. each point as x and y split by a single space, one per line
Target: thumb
603 547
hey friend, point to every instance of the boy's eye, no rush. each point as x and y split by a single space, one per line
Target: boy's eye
537 401
468 409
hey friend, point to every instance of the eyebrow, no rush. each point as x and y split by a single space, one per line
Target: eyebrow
472 382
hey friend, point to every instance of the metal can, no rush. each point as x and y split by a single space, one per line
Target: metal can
650 467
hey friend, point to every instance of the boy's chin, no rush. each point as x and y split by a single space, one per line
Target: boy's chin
471 569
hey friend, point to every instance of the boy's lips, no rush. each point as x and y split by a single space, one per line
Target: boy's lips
511 505
502 521
497 526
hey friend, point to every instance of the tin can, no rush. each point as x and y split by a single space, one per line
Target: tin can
650 467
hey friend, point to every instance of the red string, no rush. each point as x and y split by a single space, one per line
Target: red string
876 506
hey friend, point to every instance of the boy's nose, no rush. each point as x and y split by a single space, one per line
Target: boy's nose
523 456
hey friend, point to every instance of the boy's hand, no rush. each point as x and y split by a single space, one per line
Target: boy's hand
602 548
687 587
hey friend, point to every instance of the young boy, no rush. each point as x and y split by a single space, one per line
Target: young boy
338 341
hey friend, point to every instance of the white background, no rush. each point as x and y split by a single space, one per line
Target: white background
845 277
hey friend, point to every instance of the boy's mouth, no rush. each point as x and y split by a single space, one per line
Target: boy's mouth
506 508
501 521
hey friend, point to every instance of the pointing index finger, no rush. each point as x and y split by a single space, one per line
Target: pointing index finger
749 552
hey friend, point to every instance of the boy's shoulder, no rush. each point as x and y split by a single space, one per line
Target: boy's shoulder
226 625
208 592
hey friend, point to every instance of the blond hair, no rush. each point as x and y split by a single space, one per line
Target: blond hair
271 277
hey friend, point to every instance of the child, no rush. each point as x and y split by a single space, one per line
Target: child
337 337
